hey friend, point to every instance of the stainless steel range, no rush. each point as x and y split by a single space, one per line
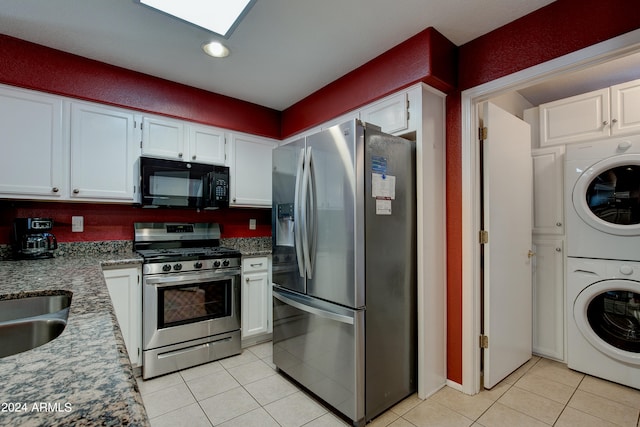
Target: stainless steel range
191 296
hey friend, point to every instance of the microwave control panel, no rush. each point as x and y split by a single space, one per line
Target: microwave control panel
220 185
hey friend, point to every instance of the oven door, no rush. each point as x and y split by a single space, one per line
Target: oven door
189 306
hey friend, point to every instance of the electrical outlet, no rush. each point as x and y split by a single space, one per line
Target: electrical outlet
77 224
252 224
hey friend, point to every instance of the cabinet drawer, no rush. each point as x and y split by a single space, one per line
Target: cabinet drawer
255 264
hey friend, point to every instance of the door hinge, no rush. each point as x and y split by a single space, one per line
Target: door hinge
482 134
484 237
484 341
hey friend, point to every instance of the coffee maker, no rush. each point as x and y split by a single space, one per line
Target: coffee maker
32 238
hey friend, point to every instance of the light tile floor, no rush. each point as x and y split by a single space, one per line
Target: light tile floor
245 390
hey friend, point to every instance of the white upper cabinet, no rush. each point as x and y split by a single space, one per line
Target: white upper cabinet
104 153
206 144
163 138
599 114
180 140
625 108
548 194
250 167
574 119
34 161
391 114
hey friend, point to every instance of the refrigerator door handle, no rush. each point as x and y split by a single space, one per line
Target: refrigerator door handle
312 214
299 215
306 218
307 306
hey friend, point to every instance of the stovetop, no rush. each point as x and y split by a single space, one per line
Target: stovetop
187 254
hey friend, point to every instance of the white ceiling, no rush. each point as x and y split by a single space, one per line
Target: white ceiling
281 52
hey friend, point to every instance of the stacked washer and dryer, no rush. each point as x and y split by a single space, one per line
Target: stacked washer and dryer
602 206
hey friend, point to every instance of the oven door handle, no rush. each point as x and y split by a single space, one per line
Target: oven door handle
160 282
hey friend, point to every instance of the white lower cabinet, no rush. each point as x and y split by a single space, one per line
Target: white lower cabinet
256 297
548 297
125 290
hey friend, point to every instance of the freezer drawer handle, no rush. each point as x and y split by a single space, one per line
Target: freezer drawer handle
314 310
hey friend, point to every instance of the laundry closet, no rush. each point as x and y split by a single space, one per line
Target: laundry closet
586 231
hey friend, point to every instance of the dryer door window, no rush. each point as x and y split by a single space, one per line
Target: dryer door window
614 195
615 317
606 196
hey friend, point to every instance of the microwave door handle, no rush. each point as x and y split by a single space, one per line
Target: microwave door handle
298 216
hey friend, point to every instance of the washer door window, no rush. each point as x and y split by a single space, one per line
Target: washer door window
607 195
607 314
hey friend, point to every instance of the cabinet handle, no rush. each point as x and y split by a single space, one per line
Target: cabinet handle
605 123
614 121
76 191
246 280
193 157
559 224
256 265
180 155
55 189
558 249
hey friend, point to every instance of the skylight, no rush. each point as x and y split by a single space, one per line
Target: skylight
219 16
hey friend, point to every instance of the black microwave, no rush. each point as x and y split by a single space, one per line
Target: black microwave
177 184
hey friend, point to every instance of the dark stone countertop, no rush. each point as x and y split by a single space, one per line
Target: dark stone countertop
83 377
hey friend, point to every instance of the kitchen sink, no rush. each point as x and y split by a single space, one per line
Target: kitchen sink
19 336
27 323
20 308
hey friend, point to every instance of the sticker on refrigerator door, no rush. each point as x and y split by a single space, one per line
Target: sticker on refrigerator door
378 164
383 186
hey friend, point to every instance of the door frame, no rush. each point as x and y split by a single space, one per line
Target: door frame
471 269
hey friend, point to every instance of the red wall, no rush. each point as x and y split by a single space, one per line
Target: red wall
115 222
37 67
426 57
555 30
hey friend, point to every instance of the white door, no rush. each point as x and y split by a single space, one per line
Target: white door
507 217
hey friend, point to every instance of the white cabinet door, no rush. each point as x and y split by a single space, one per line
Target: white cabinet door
163 138
126 295
34 162
206 144
548 201
256 297
578 118
625 108
548 298
103 153
250 168
391 114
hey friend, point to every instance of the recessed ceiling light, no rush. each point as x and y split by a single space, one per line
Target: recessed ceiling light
215 49
219 16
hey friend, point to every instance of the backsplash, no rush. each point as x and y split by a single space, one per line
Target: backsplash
246 245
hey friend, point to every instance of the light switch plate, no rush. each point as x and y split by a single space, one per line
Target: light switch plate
252 224
77 224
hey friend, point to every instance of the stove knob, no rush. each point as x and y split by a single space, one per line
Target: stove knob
166 267
198 264
177 267
225 263
216 264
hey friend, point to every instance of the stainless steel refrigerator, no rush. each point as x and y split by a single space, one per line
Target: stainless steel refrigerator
344 267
